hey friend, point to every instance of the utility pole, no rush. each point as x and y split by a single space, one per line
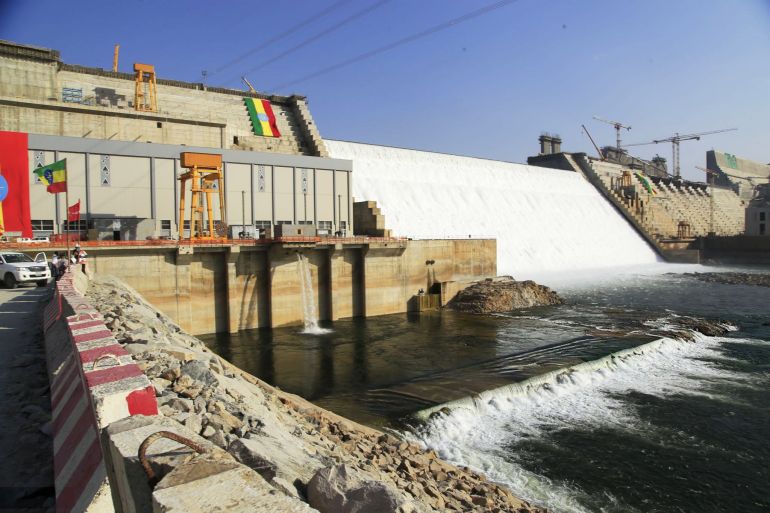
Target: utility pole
243 213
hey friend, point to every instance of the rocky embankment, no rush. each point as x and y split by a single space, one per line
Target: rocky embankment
760 280
304 452
502 294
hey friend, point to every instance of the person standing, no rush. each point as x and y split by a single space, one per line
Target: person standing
82 255
54 265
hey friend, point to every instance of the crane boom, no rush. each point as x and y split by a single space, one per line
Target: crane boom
676 139
618 127
248 84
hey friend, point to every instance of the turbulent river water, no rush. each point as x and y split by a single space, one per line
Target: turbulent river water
682 426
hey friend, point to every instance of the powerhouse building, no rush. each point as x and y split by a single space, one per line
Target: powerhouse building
122 135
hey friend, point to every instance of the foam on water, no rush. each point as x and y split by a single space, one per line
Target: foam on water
544 220
477 432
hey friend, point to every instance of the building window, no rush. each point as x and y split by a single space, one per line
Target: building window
160 124
325 225
42 225
76 226
762 229
187 224
761 216
71 95
343 225
304 222
263 224
235 139
284 222
165 224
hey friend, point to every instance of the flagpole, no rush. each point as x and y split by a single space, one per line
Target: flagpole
67 208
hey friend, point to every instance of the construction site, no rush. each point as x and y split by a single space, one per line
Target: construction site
183 210
173 170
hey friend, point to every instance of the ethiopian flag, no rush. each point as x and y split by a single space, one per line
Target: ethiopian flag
646 183
54 176
262 117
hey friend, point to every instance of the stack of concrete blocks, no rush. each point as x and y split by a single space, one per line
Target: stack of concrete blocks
661 212
309 130
190 482
368 220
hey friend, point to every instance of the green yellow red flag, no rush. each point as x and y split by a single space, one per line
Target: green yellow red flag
54 176
262 117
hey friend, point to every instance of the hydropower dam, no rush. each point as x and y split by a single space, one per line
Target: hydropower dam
544 220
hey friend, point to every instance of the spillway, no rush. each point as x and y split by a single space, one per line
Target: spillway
544 220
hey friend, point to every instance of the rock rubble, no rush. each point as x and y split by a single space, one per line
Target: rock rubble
759 280
303 451
502 294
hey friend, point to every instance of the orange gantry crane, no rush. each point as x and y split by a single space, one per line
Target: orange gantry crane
205 176
145 95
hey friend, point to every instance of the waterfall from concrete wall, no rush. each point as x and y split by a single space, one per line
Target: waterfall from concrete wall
307 292
545 220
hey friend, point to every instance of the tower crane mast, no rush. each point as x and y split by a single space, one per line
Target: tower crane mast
618 127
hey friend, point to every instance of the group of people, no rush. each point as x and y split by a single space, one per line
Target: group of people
59 262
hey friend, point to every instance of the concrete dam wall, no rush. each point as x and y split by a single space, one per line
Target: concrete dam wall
222 288
544 220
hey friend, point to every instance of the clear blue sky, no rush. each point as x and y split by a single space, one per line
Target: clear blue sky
485 87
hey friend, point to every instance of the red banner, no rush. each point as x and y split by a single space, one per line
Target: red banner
14 166
73 212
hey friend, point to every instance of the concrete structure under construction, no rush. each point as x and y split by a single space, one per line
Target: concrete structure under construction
758 212
123 153
741 175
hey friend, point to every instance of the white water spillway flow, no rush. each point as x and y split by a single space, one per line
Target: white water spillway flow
544 220
307 292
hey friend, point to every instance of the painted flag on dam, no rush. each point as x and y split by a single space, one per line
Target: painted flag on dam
646 183
262 117
54 176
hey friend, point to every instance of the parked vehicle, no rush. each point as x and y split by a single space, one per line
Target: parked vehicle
35 240
16 268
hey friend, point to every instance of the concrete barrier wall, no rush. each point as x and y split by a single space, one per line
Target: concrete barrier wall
230 288
94 382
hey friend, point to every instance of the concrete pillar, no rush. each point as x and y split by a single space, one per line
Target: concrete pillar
325 287
358 282
184 257
345 277
546 145
285 292
235 290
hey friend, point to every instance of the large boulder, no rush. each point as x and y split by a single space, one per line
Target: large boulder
503 295
346 489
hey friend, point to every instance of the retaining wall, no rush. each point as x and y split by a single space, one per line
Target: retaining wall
231 287
94 382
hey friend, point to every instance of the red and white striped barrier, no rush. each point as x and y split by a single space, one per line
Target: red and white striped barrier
96 384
